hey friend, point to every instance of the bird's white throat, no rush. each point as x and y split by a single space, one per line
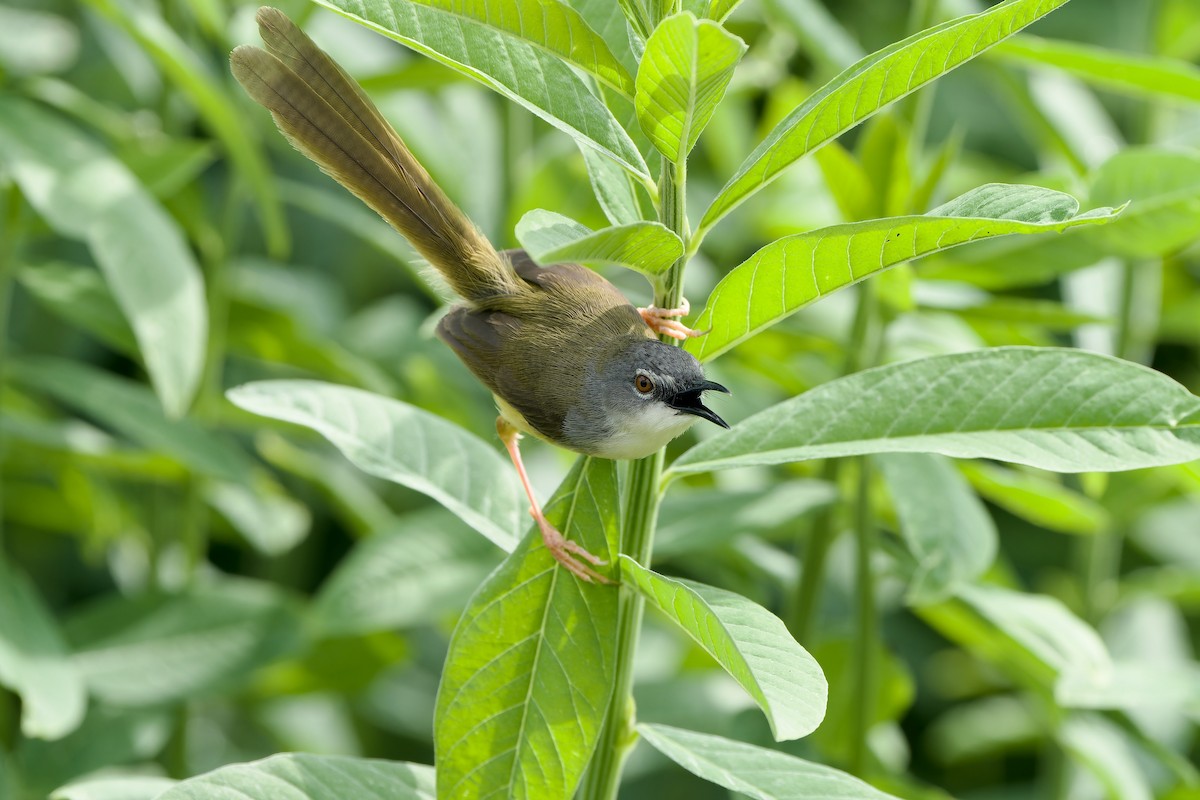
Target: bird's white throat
639 434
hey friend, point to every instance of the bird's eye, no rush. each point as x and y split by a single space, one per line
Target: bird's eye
643 384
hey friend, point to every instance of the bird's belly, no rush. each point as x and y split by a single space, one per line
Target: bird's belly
517 420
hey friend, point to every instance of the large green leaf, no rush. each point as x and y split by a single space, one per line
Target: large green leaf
550 238
751 643
423 566
300 776
1058 409
1162 187
155 649
181 65
945 525
796 270
34 661
1040 499
109 787
755 771
129 408
401 443
1047 630
84 193
532 662
682 76
514 60
1132 73
866 87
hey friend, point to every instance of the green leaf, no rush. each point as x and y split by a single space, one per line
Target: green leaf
1150 683
794 271
268 519
608 19
1163 190
425 565
866 87
648 247
84 193
1137 74
946 527
107 738
751 643
300 776
1040 500
130 409
683 75
520 68
756 772
716 10
614 191
131 787
1105 750
155 649
181 65
1045 629
402 443
78 295
1058 409
532 661
34 661
34 42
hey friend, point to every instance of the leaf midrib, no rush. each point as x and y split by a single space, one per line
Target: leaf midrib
556 572
1026 228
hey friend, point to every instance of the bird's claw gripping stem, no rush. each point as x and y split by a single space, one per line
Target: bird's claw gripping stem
563 550
660 320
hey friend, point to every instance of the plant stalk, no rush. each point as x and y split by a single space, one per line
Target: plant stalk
866 627
12 220
813 553
643 491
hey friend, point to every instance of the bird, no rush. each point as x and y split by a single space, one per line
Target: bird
567 357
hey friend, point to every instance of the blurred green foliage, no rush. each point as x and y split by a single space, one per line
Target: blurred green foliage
184 585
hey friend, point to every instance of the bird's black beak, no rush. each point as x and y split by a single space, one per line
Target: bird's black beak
688 402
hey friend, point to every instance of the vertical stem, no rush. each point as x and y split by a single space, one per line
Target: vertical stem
1141 297
859 354
866 626
618 736
12 221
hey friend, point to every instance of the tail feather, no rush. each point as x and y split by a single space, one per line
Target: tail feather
328 117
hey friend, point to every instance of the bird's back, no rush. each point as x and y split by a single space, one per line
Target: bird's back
533 350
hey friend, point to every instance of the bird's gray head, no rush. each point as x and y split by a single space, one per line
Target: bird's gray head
644 396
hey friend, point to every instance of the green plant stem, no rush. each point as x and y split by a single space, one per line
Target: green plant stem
866 628
815 550
643 491
12 219
1099 556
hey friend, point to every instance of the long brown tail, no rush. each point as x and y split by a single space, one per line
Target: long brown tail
327 117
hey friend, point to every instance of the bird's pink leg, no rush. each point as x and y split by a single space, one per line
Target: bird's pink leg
661 322
558 545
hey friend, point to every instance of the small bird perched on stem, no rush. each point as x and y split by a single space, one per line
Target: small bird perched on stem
567 357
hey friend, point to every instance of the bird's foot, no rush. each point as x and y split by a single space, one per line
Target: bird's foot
662 322
564 552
